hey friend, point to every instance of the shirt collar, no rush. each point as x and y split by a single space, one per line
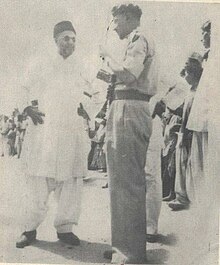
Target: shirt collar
132 34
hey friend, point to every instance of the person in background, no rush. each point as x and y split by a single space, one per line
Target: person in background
153 172
183 183
11 135
4 139
198 118
173 123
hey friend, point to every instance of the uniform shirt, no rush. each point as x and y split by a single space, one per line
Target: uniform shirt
140 60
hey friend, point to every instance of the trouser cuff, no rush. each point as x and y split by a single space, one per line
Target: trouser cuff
67 228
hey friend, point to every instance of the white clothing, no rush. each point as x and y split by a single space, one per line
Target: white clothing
198 118
56 149
153 178
67 194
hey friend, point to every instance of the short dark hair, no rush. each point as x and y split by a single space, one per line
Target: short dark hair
194 68
129 10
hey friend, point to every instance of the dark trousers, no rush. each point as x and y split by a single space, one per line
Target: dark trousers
128 131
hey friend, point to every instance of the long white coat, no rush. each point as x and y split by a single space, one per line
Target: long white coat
56 149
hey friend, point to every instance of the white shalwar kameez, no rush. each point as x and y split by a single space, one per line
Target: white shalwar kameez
54 152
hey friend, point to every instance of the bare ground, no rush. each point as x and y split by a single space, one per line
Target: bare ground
186 237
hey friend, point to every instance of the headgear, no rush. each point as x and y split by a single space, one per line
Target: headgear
63 26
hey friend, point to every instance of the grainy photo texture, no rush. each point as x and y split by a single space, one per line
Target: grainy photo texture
109 132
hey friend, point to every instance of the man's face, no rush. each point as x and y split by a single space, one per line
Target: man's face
206 40
66 42
121 26
192 68
191 65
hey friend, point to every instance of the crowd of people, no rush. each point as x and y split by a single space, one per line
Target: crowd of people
12 130
141 172
184 157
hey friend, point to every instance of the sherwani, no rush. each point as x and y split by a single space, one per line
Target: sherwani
129 129
54 152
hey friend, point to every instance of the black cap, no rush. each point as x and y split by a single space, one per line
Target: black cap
63 26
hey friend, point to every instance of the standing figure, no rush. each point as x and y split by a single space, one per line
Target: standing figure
54 141
198 119
129 128
184 173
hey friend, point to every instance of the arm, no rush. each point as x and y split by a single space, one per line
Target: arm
133 64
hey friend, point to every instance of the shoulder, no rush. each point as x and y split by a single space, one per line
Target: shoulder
138 38
137 43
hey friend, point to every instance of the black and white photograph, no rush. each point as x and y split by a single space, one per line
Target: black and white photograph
109 132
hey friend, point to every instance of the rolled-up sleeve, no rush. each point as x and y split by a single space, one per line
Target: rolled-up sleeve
135 56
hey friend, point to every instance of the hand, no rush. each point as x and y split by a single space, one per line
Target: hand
159 109
34 114
82 112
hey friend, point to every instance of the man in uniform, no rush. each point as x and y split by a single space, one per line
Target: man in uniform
129 129
54 144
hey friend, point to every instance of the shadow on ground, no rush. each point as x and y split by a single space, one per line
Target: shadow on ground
157 256
169 240
87 252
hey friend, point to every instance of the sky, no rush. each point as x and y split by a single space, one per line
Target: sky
27 27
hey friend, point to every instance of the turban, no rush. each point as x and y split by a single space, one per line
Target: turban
63 26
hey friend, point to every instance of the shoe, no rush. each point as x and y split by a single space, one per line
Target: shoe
69 238
177 206
152 238
170 197
108 254
26 239
105 186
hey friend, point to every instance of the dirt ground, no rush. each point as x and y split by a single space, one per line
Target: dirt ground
186 237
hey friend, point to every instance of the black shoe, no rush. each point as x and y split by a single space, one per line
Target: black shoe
69 238
105 186
152 238
108 254
26 239
178 206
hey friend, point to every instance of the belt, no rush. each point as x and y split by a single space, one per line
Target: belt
131 94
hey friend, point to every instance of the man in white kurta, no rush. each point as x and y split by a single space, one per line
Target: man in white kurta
198 119
54 151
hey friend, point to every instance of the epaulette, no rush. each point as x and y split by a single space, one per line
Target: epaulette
135 38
